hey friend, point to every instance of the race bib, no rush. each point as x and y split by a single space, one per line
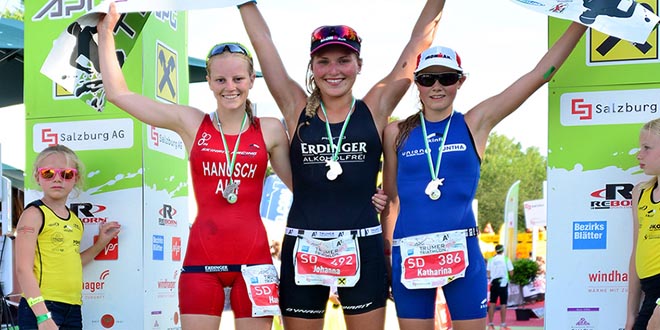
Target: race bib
333 262
433 260
263 289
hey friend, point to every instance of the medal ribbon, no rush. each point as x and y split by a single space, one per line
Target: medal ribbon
335 149
232 162
436 171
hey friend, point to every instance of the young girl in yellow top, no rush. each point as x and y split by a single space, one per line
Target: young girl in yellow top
645 258
48 258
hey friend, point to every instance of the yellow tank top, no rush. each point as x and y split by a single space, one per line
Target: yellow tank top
647 258
57 263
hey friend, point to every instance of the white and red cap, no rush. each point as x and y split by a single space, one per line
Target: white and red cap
439 55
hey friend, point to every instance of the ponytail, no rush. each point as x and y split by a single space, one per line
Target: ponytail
405 127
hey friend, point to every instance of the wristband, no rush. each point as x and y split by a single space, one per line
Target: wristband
33 301
387 252
657 302
43 318
246 2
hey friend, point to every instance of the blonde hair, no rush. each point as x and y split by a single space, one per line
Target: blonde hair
69 155
314 99
248 104
652 127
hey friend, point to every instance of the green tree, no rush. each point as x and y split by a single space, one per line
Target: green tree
505 162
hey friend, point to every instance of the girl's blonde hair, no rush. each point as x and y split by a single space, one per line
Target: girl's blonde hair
69 155
652 127
251 71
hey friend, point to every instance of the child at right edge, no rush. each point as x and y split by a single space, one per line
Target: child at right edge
644 266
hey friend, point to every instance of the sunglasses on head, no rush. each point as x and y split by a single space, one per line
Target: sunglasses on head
48 173
335 32
445 78
232 47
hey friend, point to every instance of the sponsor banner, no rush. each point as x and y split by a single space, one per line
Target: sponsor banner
535 213
87 139
582 318
84 134
165 71
589 217
165 141
605 139
73 63
163 55
615 107
612 196
591 172
595 114
625 19
578 275
166 226
510 237
589 235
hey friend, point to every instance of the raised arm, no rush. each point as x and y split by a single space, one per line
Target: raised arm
483 117
288 94
386 94
141 107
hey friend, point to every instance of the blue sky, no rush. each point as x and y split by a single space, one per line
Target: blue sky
497 40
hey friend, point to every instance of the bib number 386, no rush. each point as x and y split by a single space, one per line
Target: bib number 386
433 260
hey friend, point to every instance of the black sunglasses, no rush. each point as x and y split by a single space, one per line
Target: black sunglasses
445 79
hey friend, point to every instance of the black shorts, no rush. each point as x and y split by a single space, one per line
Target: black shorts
651 288
498 291
309 302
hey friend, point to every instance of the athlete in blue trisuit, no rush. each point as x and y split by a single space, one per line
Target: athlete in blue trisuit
429 216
